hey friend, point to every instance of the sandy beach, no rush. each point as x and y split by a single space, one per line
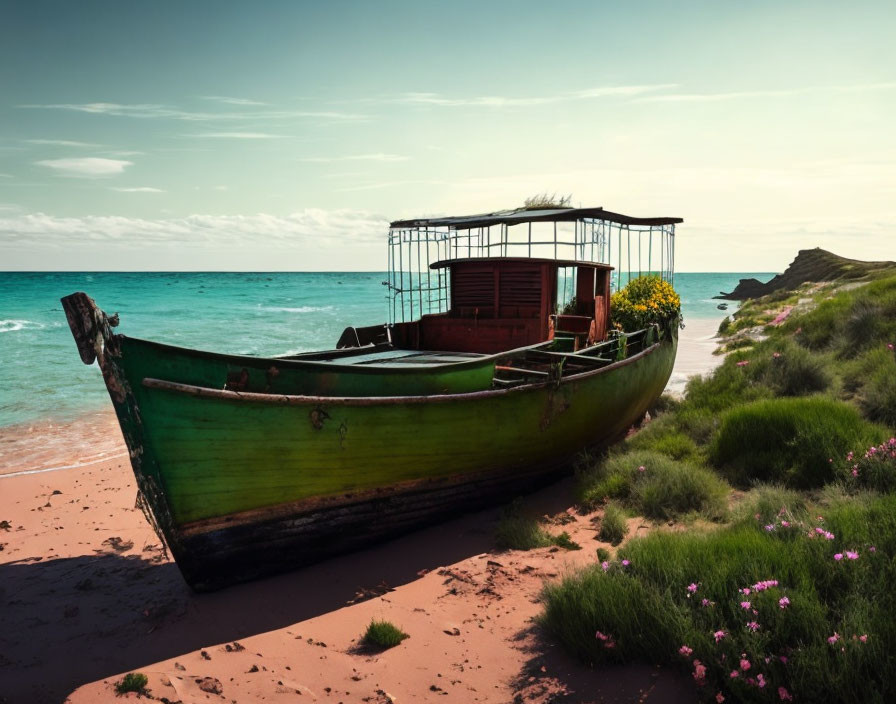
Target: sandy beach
89 595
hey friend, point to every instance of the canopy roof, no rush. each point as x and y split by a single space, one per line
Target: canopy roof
492 261
524 215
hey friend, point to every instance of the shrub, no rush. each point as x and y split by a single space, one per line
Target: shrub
767 503
791 440
655 485
663 436
873 377
791 370
727 386
671 489
874 469
863 326
603 554
132 682
518 531
613 525
819 327
724 326
383 635
643 302
565 541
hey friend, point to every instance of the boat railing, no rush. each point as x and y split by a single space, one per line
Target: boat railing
547 363
416 289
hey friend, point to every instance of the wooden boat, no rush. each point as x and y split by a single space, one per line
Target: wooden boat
476 389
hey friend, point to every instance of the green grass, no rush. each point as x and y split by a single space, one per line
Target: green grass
872 379
665 488
603 554
517 530
789 440
565 541
383 635
613 525
665 437
132 682
648 613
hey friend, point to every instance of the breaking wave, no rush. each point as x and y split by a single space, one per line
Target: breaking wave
13 325
300 309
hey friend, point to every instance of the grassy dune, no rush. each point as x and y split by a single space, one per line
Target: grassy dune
785 590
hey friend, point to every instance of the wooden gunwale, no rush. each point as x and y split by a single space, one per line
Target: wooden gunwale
288 399
289 362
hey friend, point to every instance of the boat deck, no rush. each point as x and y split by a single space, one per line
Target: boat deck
405 358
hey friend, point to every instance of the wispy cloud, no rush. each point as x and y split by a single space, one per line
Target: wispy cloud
227 100
138 189
356 157
776 93
310 226
5 175
237 135
501 101
88 166
61 142
150 111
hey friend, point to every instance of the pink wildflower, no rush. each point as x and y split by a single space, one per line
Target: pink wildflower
734 673
838 556
770 527
834 638
745 604
743 363
760 680
855 472
605 565
718 635
783 602
828 535
601 636
642 468
776 355
745 591
686 651
852 555
890 346
626 563
872 549
699 672
785 524
784 695
692 587
705 602
753 626
864 637
744 664
720 698
783 659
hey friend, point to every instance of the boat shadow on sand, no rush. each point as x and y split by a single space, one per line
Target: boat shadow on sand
70 621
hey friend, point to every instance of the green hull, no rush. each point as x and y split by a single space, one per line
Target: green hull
243 484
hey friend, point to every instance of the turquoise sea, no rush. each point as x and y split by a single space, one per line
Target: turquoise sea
41 375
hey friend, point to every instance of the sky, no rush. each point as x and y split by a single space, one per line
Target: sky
286 135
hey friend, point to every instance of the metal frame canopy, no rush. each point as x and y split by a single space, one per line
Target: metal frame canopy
524 215
568 236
